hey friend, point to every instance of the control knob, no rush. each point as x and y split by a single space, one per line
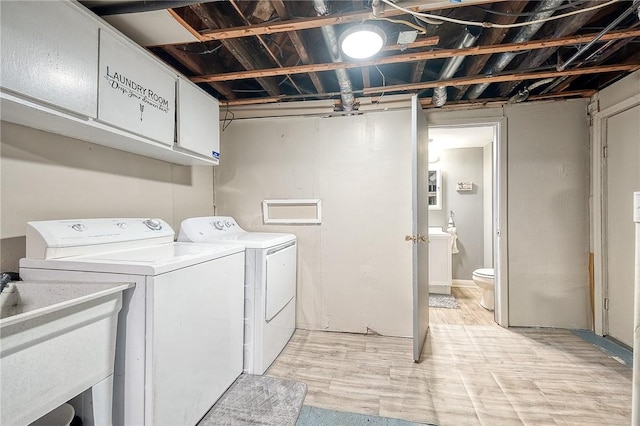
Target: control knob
219 225
78 227
153 224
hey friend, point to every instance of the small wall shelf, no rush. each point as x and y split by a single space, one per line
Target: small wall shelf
304 211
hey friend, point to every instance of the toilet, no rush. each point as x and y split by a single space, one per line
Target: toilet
483 278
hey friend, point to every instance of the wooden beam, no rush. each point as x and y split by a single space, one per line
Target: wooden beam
427 102
585 93
321 21
565 26
503 100
449 32
194 66
186 26
299 44
425 42
238 48
264 44
412 57
604 51
252 101
499 78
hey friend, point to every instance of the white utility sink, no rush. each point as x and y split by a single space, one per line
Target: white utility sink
56 340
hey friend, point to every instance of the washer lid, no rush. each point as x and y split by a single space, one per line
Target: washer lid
152 260
484 272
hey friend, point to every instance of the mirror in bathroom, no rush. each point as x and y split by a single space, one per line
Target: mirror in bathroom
434 187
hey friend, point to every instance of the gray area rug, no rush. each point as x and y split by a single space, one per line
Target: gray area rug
257 400
443 301
314 416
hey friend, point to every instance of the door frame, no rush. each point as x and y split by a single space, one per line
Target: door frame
598 206
500 237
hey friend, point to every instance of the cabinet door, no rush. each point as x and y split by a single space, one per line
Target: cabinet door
198 121
135 93
50 54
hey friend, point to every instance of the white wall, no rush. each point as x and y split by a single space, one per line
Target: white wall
620 91
462 165
354 270
548 237
46 176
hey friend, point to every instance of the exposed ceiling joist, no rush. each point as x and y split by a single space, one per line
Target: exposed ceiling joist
417 56
255 51
502 78
321 21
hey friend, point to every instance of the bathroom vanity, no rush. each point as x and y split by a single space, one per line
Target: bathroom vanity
439 261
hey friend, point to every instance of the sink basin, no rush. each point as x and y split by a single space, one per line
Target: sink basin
436 230
56 340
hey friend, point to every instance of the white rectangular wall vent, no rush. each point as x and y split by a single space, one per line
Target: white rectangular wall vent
303 211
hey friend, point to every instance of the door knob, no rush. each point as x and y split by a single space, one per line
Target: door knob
410 238
423 238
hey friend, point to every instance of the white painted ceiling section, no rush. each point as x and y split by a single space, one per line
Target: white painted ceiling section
151 28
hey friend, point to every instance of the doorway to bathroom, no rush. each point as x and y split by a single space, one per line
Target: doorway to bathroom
470 158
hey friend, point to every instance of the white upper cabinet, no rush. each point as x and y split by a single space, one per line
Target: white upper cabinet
50 54
198 121
135 92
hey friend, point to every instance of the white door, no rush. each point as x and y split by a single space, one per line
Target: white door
622 179
420 209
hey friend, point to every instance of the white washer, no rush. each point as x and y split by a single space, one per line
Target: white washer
179 341
270 284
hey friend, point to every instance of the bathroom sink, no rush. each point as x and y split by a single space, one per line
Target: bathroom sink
435 230
57 339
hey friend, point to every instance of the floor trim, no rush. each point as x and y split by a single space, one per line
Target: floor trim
613 349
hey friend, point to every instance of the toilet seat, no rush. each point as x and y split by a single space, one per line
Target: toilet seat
484 273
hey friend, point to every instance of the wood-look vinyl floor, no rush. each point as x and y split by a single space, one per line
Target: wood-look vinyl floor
472 372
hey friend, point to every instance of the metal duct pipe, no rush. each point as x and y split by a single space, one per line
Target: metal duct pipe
377 7
544 9
331 40
452 65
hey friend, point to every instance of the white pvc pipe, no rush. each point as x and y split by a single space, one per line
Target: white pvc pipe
635 404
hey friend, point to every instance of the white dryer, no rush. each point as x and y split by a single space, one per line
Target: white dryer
179 341
270 284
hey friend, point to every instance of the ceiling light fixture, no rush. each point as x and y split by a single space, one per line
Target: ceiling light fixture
362 41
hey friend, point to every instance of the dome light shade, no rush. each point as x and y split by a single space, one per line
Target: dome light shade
362 41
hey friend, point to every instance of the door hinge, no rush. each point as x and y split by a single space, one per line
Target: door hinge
606 303
604 151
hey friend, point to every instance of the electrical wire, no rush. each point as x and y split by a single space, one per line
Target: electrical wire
384 82
491 24
224 120
420 30
553 9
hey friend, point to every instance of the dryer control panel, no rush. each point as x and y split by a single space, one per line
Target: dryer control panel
204 229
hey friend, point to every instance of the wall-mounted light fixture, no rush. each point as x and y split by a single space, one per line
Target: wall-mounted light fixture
362 41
